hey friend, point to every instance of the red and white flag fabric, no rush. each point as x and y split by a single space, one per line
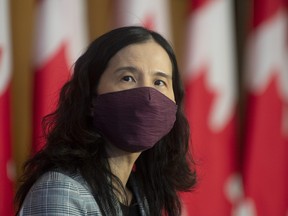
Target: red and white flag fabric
61 37
6 184
152 14
210 104
266 159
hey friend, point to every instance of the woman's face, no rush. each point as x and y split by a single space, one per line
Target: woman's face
138 65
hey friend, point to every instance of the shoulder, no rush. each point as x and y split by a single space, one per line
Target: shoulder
60 193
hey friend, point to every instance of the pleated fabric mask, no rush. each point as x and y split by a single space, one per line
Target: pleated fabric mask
134 120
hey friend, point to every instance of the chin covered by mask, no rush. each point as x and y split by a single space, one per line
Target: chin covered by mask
134 120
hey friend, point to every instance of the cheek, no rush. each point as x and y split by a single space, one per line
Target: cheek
101 87
170 95
106 83
106 88
173 94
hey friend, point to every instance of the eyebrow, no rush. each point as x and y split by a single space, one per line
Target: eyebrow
162 74
135 70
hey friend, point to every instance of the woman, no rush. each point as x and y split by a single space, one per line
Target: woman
118 142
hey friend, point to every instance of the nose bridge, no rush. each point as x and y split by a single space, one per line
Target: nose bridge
146 80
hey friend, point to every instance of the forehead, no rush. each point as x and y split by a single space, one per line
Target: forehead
149 52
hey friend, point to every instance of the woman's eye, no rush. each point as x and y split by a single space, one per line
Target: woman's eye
159 83
128 79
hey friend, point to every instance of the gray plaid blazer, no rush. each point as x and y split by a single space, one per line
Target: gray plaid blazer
57 193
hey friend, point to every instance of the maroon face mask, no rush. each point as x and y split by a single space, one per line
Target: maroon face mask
136 119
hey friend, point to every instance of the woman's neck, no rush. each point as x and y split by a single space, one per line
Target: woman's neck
121 164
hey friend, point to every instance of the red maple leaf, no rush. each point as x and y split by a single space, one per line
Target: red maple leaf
213 151
266 173
48 81
265 10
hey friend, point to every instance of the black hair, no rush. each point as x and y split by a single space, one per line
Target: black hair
73 145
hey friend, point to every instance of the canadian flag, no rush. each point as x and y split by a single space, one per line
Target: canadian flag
266 159
61 36
149 13
211 107
6 186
